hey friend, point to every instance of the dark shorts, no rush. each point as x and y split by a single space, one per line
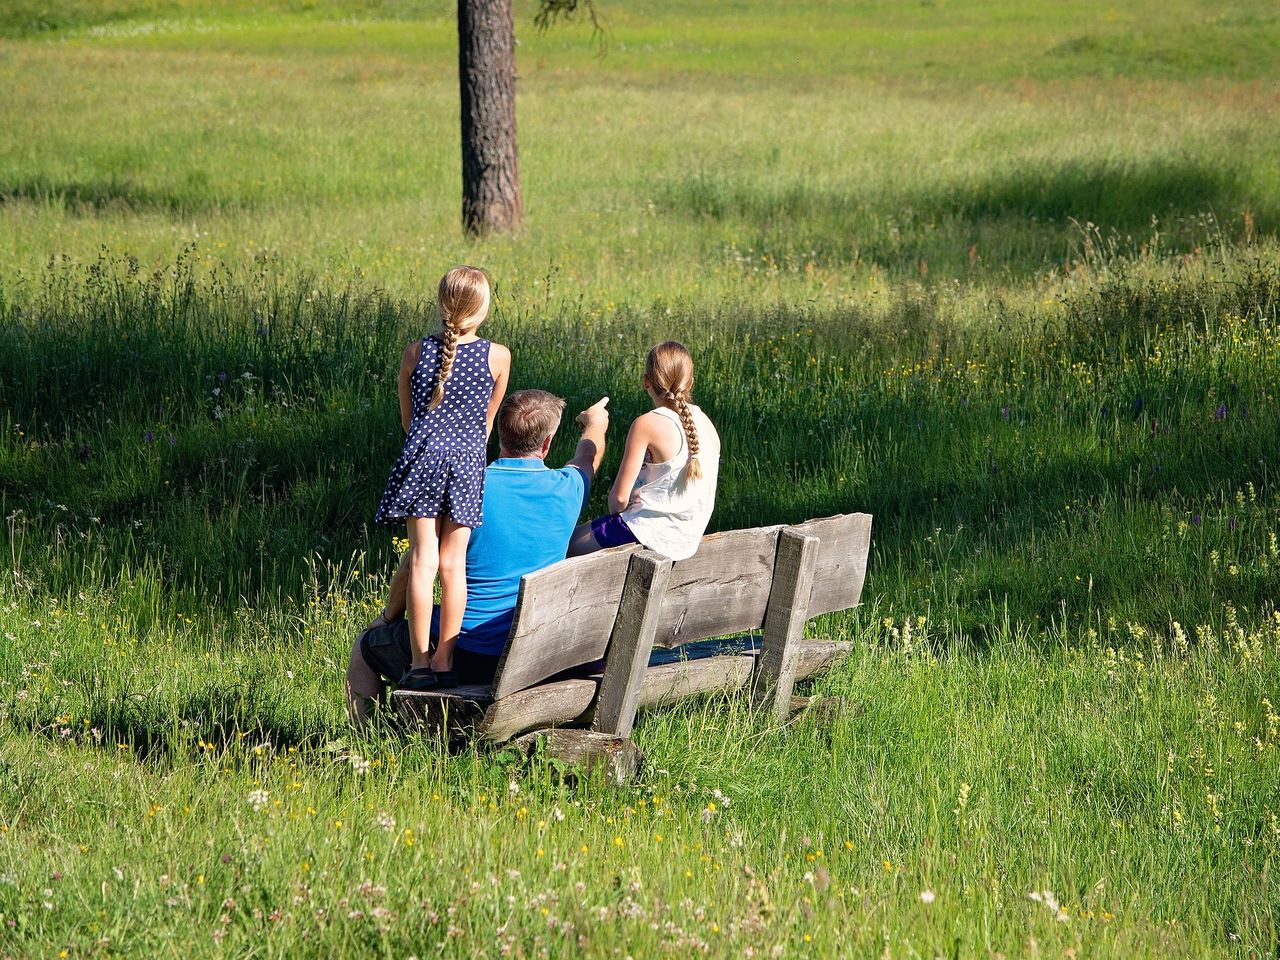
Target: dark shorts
612 531
387 650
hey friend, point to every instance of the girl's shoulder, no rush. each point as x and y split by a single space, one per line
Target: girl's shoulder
412 353
652 421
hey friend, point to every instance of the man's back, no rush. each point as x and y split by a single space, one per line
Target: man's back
529 514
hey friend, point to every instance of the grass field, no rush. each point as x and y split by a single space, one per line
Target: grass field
1004 275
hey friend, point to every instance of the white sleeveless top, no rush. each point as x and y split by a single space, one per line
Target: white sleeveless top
667 512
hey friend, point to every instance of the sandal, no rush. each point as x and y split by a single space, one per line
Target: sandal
445 678
420 679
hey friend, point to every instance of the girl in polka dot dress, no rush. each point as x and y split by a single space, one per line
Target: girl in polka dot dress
451 385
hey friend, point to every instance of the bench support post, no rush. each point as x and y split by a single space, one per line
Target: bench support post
632 640
784 620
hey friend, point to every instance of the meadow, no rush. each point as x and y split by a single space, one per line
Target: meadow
1005 276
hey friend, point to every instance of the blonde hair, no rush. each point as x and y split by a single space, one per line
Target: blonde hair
463 298
670 372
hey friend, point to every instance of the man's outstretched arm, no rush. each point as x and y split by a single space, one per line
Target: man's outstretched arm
595 424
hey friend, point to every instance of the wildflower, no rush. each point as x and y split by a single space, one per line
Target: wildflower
1220 412
149 437
258 799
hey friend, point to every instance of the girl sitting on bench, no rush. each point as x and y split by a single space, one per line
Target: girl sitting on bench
666 485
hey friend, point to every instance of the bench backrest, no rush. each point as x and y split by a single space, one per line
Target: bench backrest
566 613
564 617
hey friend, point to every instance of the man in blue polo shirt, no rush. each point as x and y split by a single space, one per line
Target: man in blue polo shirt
529 515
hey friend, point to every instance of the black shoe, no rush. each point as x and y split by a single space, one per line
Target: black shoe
419 679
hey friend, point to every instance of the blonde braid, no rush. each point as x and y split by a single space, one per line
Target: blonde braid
693 469
447 353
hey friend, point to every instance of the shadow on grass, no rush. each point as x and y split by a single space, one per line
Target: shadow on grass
225 720
112 195
1017 219
294 464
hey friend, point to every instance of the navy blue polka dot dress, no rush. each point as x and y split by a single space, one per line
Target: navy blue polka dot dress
441 470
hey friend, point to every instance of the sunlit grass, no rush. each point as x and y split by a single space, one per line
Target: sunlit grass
1003 276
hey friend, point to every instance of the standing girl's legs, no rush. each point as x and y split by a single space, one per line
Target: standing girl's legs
424 560
453 590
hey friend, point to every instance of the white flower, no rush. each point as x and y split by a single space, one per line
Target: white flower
927 896
258 799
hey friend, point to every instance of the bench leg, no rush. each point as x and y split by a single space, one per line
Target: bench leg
618 757
629 647
784 620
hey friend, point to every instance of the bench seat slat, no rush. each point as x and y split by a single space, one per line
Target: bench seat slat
559 702
564 702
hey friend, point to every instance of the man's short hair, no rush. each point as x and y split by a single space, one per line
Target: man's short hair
526 418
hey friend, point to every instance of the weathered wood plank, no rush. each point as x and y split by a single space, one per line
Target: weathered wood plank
454 712
628 654
784 621
723 588
559 702
619 757
564 617
472 711
844 543
675 681
815 656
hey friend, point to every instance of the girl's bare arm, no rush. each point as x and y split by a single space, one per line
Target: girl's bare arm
632 458
407 363
500 368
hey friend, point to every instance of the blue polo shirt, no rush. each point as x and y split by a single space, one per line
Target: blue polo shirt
529 514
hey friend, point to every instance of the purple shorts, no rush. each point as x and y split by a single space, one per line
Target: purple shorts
612 531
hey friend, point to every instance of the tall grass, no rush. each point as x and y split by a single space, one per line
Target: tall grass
1004 277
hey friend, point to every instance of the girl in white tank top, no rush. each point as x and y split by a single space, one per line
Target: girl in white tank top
666 485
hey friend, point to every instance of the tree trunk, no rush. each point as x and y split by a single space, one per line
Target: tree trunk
487 73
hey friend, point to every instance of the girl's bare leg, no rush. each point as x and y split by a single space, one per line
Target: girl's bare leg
424 560
453 590
582 541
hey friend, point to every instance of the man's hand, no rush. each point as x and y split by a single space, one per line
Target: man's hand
595 414
595 424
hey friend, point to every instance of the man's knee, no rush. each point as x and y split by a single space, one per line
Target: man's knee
356 664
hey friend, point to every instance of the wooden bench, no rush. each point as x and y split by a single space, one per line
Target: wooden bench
576 667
